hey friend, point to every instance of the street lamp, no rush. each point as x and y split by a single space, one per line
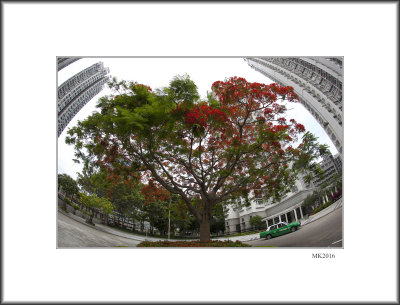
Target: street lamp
169 218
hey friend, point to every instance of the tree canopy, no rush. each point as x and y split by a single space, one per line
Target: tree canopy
68 185
256 222
206 151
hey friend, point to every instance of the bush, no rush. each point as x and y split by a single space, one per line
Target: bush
320 208
192 244
337 195
67 201
64 209
76 207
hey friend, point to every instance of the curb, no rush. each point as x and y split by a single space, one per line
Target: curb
112 231
96 227
138 238
335 207
306 222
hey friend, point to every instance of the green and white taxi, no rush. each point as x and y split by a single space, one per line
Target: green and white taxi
280 229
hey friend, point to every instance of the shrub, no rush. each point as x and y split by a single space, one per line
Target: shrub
64 209
67 201
320 208
76 207
192 244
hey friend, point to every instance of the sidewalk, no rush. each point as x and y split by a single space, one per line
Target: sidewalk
244 238
303 222
111 230
329 209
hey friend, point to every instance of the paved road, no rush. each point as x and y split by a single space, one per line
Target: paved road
72 233
323 232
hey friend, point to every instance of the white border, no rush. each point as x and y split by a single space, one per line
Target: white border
33 270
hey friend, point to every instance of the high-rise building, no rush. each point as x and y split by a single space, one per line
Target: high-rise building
338 163
62 62
77 91
330 167
318 81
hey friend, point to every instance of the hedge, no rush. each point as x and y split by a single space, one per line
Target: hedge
192 244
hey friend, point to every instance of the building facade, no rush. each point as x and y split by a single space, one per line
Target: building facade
77 91
62 62
288 209
318 81
331 165
337 159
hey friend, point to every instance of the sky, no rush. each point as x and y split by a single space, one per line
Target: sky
157 73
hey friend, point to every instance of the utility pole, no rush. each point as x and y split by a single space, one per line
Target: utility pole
169 218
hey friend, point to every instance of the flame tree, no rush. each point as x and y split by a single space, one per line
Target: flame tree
206 151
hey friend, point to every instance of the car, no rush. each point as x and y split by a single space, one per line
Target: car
280 229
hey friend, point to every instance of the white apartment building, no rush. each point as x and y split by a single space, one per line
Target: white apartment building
318 81
288 209
78 90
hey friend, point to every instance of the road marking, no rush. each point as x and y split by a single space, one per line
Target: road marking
336 242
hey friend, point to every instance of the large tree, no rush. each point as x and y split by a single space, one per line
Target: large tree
206 151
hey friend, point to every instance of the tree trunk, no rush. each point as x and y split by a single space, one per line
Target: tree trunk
205 228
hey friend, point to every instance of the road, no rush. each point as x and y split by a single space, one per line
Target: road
323 232
74 234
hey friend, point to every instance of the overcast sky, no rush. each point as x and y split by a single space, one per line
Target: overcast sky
157 73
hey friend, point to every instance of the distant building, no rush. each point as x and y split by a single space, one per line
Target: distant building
330 166
77 91
338 162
